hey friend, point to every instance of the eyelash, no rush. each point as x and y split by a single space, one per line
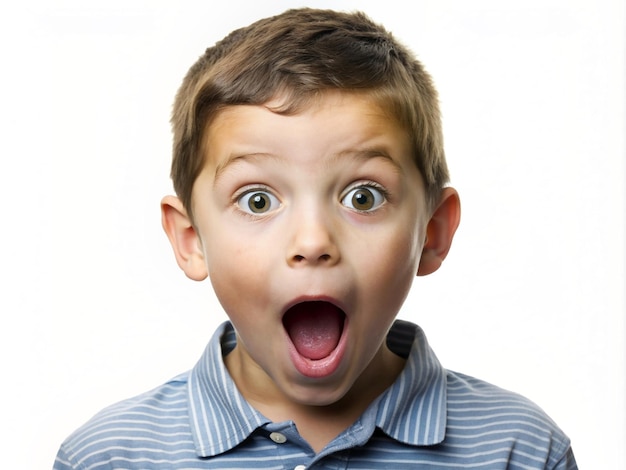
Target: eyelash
250 191
368 185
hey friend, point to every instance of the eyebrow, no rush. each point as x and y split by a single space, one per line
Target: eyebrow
232 159
366 153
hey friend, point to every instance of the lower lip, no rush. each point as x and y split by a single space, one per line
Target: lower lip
319 368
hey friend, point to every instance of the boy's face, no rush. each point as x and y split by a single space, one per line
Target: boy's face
311 228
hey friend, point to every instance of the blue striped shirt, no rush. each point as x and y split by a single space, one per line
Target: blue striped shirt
429 418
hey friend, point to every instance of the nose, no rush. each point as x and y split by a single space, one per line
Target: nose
313 242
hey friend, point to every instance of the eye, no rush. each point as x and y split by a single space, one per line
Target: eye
258 202
364 198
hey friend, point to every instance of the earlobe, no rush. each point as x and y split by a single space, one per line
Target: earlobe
183 238
440 232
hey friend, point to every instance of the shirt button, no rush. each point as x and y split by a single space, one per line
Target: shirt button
278 438
300 467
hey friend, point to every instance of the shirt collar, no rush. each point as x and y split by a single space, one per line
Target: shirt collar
412 410
220 417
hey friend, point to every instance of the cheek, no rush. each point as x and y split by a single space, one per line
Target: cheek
393 266
238 272
397 255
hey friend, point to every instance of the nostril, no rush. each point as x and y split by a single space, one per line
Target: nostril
323 258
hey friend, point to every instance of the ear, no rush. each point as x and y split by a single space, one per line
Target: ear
440 231
183 237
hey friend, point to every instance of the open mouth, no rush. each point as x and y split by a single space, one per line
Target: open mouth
315 328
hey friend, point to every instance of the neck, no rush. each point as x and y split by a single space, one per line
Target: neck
318 425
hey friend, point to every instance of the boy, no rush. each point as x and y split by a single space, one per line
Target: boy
311 189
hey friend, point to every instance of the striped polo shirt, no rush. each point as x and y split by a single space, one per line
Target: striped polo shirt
429 418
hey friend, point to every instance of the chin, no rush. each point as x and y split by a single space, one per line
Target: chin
317 395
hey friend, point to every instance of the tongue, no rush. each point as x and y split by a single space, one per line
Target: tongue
314 328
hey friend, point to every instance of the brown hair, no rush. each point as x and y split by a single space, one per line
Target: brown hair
298 55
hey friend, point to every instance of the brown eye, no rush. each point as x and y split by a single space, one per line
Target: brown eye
258 202
363 198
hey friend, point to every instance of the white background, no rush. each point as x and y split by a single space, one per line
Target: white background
531 298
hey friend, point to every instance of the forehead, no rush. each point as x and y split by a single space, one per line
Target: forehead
328 116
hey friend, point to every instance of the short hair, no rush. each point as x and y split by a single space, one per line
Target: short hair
297 55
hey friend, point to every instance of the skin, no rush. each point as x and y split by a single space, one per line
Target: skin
340 216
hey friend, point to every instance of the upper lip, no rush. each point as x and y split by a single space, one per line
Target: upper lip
313 298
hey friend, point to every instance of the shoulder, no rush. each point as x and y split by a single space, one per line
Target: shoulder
157 422
484 415
466 393
165 402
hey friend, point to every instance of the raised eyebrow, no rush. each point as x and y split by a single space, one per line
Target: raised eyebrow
369 153
234 158
357 154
